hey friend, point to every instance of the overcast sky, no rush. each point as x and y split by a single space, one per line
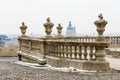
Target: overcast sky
82 14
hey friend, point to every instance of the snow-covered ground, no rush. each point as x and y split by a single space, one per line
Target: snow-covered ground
48 67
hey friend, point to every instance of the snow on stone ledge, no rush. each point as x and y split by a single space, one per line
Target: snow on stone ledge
48 67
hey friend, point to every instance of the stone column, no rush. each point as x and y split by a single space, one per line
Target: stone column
48 28
100 40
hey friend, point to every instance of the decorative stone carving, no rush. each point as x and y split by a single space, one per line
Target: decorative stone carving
101 23
100 40
48 27
59 30
23 29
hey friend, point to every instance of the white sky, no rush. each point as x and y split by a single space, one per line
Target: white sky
82 14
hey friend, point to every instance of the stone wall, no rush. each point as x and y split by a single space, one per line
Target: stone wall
9 51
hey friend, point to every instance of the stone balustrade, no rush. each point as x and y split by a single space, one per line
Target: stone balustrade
80 39
72 50
113 40
86 53
81 51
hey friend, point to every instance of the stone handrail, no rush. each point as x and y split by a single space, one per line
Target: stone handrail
80 39
113 40
62 49
85 39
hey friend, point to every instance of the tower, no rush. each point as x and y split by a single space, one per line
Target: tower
70 31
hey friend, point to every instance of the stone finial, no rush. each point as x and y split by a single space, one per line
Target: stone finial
59 29
48 27
23 29
100 24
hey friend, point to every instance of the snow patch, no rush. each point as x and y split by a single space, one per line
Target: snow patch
48 67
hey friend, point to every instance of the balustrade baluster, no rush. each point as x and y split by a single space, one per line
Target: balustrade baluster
80 53
63 55
91 53
75 52
66 51
52 52
70 52
85 53
57 51
60 51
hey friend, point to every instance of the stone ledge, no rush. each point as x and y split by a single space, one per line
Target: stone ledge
30 58
90 65
79 64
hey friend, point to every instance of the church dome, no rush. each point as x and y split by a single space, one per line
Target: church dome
69 26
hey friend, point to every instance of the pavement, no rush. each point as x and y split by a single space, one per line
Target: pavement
114 62
11 71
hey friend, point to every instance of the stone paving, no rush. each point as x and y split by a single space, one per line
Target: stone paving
11 71
114 62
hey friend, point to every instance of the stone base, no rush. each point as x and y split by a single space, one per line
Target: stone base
78 64
59 36
48 37
90 65
24 36
100 39
57 62
30 58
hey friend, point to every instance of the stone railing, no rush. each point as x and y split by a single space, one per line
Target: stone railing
113 40
85 39
86 53
61 49
50 49
80 39
74 50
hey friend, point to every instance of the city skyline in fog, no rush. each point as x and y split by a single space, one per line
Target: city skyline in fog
82 14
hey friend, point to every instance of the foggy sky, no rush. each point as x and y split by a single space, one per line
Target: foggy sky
82 14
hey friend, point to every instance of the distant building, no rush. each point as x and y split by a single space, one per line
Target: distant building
5 41
70 31
3 37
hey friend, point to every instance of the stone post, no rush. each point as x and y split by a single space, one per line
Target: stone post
23 29
100 40
100 24
48 28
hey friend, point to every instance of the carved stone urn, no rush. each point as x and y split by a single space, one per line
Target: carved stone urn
59 29
100 24
23 29
48 27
